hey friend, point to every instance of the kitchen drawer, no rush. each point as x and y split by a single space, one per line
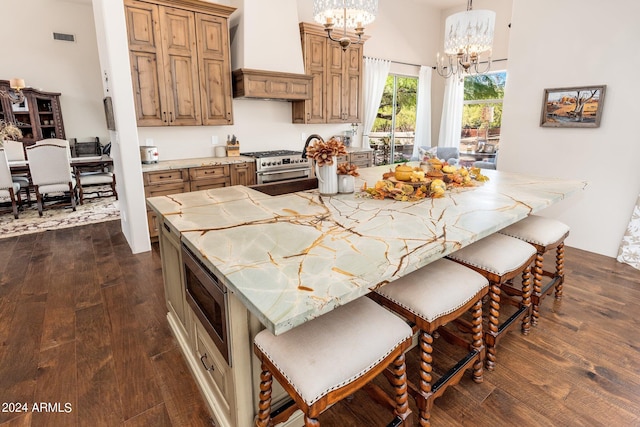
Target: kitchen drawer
361 158
208 172
212 366
166 189
342 159
165 177
206 184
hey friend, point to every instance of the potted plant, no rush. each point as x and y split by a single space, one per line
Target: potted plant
325 154
346 179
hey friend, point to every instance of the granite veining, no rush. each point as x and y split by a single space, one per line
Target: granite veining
293 257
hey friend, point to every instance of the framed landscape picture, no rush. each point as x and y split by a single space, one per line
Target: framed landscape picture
573 106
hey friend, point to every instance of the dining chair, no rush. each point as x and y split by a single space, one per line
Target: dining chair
50 168
8 188
14 151
95 178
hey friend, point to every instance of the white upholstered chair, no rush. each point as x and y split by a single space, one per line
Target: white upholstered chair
15 152
8 188
95 178
50 168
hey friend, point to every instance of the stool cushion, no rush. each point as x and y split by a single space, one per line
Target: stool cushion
538 230
436 290
334 349
497 253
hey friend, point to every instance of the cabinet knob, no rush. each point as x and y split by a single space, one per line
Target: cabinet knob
164 116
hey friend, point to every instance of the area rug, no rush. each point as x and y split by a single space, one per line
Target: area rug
93 210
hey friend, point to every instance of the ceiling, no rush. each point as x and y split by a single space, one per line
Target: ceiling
443 4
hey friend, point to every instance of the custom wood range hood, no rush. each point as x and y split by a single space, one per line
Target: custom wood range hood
262 84
267 57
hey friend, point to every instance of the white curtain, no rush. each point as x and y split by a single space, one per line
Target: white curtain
629 251
375 76
422 136
451 122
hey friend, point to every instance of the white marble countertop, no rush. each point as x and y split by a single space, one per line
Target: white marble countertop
194 163
293 257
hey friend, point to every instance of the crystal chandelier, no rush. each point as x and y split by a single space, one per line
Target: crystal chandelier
15 96
345 14
467 35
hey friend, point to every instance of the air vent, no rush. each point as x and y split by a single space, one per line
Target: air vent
64 37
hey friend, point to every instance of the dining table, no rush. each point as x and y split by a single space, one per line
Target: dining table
77 163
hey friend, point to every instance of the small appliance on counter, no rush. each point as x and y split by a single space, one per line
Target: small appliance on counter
149 154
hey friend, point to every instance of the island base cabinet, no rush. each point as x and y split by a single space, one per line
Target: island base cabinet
229 390
174 289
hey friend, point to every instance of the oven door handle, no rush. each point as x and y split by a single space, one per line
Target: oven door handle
285 170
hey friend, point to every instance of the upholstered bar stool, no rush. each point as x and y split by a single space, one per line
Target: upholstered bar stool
544 234
331 357
500 259
430 298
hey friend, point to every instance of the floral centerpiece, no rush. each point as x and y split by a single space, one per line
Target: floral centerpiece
9 132
348 169
323 152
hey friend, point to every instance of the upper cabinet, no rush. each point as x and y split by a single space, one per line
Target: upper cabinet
38 117
180 65
337 79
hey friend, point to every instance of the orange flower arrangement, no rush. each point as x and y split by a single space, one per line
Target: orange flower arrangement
348 169
323 152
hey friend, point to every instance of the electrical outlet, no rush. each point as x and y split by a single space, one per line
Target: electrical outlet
148 142
214 140
303 137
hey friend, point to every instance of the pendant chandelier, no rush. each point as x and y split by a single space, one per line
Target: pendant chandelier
467 36
345 14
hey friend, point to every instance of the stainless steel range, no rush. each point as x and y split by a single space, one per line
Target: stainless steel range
280 165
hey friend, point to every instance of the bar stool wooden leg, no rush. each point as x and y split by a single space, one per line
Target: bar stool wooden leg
425 405
399 381
559 270
477 340
493 325
264 406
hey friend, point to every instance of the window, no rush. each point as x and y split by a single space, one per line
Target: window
482 112
394 128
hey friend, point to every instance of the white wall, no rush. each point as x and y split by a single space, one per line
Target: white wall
70 68
571 43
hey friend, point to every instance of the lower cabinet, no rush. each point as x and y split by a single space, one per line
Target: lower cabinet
173 275
206 177
362 159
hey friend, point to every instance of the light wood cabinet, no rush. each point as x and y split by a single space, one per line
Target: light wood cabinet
207 177
180 64
362 159
336 94
243 173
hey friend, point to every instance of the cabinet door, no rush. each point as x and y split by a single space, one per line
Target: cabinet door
172 273
243 174
344 83
335 83
147 70
352 89
180 66
313 110
215 70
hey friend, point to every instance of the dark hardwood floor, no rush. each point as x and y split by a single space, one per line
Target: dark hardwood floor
83 331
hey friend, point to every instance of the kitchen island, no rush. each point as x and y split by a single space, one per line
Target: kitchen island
283 260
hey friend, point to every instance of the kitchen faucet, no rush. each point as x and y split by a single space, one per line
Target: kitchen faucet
306 144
